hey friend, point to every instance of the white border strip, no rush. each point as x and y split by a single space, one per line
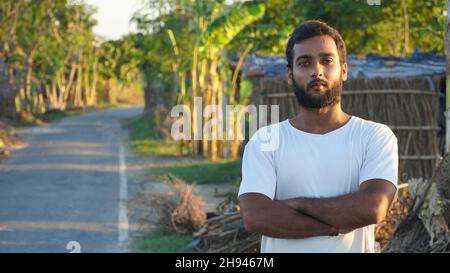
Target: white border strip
123 195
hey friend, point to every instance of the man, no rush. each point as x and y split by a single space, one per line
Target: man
331 177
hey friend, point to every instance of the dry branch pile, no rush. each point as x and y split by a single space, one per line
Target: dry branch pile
426 228
179 210
397 212
225 234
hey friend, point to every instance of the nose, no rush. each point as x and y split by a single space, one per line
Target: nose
317 70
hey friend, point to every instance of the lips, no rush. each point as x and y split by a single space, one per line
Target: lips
317 84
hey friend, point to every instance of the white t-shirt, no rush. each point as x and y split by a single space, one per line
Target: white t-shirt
283 162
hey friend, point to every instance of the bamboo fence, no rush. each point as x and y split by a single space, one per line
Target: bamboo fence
411 107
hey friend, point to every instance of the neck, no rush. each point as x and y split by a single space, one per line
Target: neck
320 120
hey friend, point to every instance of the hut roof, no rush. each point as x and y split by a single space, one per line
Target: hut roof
370 66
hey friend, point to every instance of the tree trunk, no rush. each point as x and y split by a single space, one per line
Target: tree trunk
405 28
78 97
214 101
7 94
148 97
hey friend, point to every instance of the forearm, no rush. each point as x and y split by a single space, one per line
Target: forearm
348 211
366 206
280 221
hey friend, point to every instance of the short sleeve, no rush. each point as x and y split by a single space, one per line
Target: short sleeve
381 156
258 169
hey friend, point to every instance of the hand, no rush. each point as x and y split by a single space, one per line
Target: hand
334 232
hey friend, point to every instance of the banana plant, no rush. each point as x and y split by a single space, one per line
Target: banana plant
210 44
227 26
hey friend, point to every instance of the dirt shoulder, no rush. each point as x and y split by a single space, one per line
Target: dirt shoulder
9 139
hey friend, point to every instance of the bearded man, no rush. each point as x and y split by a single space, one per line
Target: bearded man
331 176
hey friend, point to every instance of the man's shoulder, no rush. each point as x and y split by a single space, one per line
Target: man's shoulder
270 131
370 127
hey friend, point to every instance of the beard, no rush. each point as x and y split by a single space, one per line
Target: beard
306 97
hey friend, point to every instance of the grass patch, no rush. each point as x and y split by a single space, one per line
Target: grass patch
57 115
24 123
25 119
147 139
106 105
204 172
162 242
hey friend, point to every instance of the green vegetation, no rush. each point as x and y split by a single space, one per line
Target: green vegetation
20 122
57 115
27 120
162 242
204 172
53 60
147 139
188 44
183 49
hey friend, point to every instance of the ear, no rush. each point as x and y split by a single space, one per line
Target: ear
289 75
344 71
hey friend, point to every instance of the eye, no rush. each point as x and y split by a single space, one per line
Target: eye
303 63
327 61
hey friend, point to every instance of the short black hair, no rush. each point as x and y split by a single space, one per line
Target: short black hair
312 28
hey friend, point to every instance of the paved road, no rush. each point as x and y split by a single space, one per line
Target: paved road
65 188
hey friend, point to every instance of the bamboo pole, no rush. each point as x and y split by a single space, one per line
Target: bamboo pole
447 49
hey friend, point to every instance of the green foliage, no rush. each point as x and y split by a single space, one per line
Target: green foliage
147 139
245 91
162 242
382 32
227 26
54 60
120 60
270 33
57 115
204 172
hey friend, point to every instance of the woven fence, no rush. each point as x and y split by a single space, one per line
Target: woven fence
411 107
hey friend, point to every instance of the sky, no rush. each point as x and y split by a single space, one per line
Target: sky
113 17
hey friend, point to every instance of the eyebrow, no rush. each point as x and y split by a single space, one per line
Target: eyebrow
309 56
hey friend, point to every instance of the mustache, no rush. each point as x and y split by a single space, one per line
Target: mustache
311 83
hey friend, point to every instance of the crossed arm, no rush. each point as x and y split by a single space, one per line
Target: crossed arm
307 217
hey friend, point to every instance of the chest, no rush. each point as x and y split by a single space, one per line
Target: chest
318 167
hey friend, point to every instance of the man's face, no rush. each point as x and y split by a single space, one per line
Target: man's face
316 74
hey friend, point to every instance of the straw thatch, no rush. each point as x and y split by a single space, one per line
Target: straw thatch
410 106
